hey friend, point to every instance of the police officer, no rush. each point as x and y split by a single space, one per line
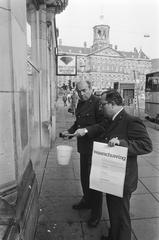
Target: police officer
87 113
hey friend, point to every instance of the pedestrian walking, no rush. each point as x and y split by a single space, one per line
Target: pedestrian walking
87 113
128 131
69 97
74 101
64 98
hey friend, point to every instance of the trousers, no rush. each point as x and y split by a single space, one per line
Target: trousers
120 223
92 197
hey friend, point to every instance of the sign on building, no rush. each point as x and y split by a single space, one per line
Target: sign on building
66 65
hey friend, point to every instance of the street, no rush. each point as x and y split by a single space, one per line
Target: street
61 188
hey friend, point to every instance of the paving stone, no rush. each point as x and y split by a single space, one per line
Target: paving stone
61 172
76 173
140 188
61 188
152 158
142 161
51 163
156 195
60 231
144 206
148 171
59 209
152 183
146 229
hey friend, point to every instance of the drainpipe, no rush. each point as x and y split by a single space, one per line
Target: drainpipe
38 60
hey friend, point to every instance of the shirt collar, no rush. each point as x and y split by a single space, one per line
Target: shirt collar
117 114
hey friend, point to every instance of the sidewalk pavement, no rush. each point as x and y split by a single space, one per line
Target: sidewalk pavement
61 189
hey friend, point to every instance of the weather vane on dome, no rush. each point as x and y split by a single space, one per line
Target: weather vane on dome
102 18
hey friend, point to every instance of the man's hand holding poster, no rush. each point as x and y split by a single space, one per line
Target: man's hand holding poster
108 168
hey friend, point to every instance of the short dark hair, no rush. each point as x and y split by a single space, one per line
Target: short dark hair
114 97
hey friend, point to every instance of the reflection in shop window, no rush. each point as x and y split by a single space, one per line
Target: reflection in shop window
28 35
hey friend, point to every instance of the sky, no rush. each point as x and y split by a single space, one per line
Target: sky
129 21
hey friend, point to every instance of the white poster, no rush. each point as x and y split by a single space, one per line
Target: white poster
108 168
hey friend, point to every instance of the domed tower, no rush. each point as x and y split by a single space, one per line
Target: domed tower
101 35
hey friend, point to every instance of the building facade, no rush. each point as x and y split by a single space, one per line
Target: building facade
106 66
27 109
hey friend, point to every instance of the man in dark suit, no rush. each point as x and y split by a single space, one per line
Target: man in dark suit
129 131
87 114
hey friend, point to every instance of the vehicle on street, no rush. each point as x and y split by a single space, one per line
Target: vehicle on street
152 96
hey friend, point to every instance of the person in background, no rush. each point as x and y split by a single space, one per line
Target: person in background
69 97
64 98
128 131
74 101
87 113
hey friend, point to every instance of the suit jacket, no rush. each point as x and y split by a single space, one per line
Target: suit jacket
87 113
132 133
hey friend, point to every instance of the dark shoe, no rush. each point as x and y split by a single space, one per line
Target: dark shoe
81 205
104 238
93 221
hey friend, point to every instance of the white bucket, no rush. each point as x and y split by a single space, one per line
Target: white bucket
64 154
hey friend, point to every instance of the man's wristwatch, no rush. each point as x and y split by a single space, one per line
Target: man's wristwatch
85 130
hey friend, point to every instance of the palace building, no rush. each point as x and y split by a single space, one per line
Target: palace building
106 66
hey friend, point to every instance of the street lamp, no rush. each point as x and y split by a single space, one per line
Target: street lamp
82 67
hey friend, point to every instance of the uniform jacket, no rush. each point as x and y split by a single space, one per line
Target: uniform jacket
132 133
87 113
